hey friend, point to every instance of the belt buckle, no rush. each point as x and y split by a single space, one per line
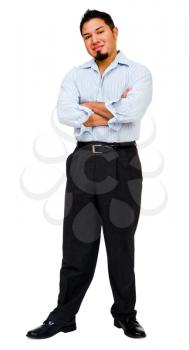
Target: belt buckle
93 149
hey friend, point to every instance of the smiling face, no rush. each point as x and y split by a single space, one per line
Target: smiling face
99 39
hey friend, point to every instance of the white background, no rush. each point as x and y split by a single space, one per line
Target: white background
40 43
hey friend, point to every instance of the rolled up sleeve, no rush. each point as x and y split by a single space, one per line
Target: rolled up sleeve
68 109
133 107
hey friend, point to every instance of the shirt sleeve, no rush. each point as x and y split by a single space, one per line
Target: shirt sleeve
68 109
133 107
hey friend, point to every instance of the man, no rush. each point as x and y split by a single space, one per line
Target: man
104 99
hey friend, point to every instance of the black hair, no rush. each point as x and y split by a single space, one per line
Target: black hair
89 14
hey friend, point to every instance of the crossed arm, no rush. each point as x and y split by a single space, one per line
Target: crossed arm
101 114
112 112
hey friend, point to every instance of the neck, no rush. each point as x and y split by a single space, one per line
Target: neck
104 64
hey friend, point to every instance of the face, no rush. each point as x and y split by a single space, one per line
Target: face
99 39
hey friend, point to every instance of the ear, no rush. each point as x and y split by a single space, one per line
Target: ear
115 31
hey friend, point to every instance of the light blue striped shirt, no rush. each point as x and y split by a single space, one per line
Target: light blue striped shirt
84 83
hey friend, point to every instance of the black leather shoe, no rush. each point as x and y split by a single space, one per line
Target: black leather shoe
49 328
131 327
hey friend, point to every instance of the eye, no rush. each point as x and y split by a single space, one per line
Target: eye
87 37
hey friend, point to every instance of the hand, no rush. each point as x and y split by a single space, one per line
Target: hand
125 93
89 121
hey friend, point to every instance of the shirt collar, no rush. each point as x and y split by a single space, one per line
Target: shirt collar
119 59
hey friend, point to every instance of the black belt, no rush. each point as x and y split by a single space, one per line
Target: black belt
101 146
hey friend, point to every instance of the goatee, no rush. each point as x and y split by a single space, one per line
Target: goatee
101 56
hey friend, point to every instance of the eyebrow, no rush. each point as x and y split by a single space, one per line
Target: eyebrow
95 29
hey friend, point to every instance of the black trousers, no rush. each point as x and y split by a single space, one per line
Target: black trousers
103 190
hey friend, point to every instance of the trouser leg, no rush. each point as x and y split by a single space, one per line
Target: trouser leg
81 238
120 209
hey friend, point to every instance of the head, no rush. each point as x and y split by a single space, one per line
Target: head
99 34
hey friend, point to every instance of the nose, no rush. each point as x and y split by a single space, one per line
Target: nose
94 39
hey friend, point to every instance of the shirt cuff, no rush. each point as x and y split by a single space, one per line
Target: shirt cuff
83 129
87 113
113 123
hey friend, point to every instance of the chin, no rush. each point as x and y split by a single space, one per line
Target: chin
100 56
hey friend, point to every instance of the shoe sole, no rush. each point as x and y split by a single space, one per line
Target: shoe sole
116 324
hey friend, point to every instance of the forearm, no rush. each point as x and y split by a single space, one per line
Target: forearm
98 108
101 114
96 120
